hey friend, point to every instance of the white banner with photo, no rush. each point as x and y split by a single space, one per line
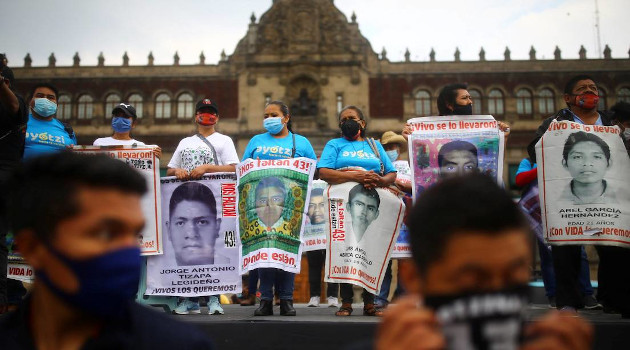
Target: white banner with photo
21 272
583 182
363 228
143 159
201 244
314 236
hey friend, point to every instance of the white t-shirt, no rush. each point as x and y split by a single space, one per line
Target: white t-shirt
192 152
110 141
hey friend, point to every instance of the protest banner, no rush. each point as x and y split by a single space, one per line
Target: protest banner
363 227
201 249
402 248
444 146
314 236
17 268
144 161
272 198
583 175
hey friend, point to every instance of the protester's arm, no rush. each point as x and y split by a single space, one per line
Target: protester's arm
197 172
531 148
558 332
180 173
526 177
7 98
334 177
406 131
386 180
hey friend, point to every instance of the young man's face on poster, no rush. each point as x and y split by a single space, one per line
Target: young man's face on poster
269 204
193 230
316 209
457 163
587 162
364 210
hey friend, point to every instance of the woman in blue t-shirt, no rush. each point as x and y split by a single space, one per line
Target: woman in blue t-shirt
352 157
278 142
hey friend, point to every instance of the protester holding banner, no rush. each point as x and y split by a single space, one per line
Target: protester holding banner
355 158
206 152
582 97
124 119
621 117
279 142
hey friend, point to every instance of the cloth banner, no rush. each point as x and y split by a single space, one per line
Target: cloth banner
363 228
444 146
17 268
402 249
201 249
582 176
314 236
144 160
272 206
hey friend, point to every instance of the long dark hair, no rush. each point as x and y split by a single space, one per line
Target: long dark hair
285 111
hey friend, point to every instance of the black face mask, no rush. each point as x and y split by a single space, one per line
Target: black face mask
350 129
482 320
462 110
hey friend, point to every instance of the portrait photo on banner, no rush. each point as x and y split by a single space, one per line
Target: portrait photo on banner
314 236
584 192
201 245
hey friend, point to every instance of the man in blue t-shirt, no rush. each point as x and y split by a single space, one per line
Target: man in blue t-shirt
44 133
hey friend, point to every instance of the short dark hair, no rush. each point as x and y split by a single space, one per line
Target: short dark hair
448 95
8 73
568 88
270 182
368 192
359 112
460 205
285 111
42 192
621 111
44 85
192 191
317 192
457 145
582 136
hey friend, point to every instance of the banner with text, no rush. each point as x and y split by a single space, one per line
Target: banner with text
17 268
362 230
272 206
143 159
314 236
201 249
445 146
583 185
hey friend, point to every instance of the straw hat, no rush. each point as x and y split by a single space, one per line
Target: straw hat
392 137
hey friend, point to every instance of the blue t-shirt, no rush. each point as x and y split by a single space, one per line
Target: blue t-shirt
341 153
45 136
265 146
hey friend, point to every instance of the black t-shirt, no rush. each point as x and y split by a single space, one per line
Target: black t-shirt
12 131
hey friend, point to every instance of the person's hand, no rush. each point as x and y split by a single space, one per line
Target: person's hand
406 131
505 127
158 152
181 174
198 172
406 326
559 331
369 179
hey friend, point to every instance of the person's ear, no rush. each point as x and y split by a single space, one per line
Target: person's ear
286 118
376 216
567 98
564 163
450 107
30 247
133 123
409 276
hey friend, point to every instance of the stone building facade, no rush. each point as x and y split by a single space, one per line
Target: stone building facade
310 55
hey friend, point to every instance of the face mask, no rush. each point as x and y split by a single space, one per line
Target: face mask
274 125
206 119
120 124
350 129
393 155
587 100
106 282
486 320
462 110
626 134
44 107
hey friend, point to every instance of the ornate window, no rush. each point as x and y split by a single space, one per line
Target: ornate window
111 101
546 104
476 98
423 103
86 107
64 107
136 101
185 106
623 95
523 102
495 102
162 106
339 103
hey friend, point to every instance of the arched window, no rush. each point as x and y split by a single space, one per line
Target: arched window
523 102
136 101
162 106
86 107
495 102
111 101
545 102
623 95
185 106
423 103
602 99
64 107
476 98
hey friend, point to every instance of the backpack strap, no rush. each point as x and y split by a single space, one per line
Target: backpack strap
68 129
293 149
214 152
372 144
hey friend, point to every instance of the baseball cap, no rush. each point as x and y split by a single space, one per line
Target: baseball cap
127 109
206 102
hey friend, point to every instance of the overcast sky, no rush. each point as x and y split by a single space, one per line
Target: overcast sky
191 26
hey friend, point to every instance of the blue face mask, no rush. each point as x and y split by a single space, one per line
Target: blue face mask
393 154
274 125
121 124
106 282
44 107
